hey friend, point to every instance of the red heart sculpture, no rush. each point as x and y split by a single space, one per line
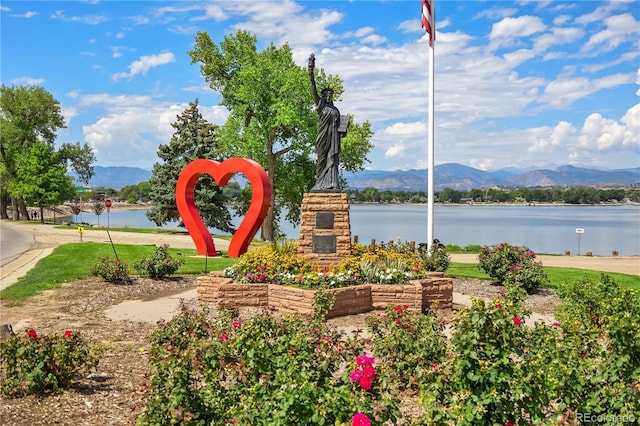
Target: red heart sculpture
221 173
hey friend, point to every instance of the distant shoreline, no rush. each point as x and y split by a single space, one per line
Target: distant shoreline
370 203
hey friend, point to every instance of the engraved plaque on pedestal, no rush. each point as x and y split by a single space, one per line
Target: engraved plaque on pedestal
324 220
323 244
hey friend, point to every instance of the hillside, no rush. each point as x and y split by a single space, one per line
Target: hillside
451 175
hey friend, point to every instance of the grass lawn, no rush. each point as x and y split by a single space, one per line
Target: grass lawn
73 261
558 276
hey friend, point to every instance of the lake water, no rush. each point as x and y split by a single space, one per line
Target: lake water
544 229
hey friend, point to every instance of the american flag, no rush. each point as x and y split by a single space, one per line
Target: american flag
428 20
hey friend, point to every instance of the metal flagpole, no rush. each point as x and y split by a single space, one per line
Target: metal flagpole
428 23
430 150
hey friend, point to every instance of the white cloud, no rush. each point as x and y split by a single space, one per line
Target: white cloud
600 133
84 19
27 15
563 92
620 29
145 63
133 127
506 31
27 81
395 151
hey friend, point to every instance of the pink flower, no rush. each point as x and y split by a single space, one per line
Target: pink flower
356 375
399 309
224 337
435 366
365 360
32 333
365 383
68 333
556 324
235 324
360 419
516 320
369 372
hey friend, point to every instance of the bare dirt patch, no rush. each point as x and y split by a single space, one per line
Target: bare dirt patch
115 392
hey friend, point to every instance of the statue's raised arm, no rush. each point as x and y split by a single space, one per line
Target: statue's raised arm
310 67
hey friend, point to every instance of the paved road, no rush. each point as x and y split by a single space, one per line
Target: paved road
27 242
14 241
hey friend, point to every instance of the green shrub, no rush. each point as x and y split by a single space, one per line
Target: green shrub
265 370
434 260
160 264
407 343
112 271
498 371
513 266
35 364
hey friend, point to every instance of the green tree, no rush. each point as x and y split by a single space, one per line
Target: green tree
42 179
272 119
193 138
30 115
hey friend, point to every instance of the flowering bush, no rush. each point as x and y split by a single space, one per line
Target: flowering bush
409 344
394 263
33 363
112 271
269 263
499 371
264 370
513 266
160 264
496 368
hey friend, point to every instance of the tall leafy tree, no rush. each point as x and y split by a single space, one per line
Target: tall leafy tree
30 115
42 178
193 138
272 118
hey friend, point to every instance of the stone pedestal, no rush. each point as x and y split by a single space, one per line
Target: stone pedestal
325 229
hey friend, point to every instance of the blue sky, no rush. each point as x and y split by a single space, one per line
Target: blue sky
518 83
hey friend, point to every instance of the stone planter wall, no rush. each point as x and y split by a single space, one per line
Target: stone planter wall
433 293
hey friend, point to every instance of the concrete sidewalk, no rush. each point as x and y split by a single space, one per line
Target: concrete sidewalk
164 308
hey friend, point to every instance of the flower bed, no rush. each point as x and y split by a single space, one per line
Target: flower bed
434 293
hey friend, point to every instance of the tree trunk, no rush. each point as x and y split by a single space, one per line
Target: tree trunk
14 206
41 214
23 208
3 206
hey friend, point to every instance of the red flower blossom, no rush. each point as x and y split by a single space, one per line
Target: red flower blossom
360 419
435 366
235 324
556 324
516 320
369 372
508 423
68 333
224 337
356 375
365 383
32 333
399 309
405 307
499 305
365 360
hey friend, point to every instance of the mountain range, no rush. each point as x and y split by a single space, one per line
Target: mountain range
451 175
